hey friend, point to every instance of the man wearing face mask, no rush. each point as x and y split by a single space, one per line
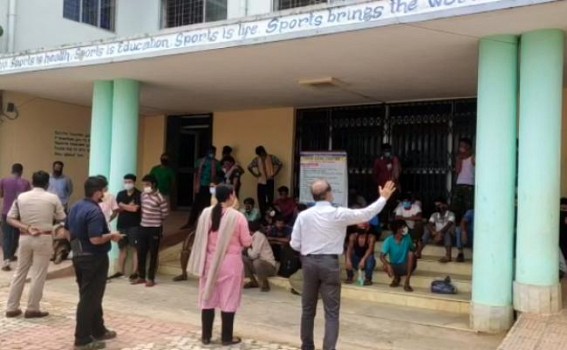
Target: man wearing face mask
90 241
410 211
154 211
129 200
399 249
208 169
60 184
441 228
165 176
386 168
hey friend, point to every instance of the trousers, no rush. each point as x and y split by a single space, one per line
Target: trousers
321 274
148 241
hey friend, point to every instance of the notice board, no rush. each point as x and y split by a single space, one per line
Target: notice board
330 166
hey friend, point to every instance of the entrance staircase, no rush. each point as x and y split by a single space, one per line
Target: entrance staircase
428 270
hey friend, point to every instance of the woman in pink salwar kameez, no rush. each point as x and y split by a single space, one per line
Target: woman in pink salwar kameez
216 258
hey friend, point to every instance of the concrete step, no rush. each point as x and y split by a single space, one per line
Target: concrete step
432 264
431 250
423 279
169 268
382 293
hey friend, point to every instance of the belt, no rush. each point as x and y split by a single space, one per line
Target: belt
332 256
40 234
465 185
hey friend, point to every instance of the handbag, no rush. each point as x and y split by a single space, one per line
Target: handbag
443 286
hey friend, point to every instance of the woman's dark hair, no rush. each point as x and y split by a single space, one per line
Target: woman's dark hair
40 179
222 193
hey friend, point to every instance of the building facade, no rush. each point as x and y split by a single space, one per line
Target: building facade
108 85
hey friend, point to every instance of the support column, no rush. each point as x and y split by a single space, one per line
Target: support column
491 306
124 150
101 129
537 287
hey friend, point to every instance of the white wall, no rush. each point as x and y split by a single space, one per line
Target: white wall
40 23
137 17
4 24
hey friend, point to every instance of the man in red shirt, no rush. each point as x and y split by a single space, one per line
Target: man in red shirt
286 205
387 167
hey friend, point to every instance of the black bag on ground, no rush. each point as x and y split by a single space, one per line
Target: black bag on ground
443 286
289 262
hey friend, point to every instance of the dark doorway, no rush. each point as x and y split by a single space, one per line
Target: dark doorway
188 138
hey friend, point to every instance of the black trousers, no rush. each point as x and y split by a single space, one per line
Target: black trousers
148 241
91 272
266 195
202 200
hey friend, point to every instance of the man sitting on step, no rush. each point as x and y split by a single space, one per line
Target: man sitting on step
360 253
440 229
399 250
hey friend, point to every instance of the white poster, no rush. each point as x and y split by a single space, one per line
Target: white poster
330 166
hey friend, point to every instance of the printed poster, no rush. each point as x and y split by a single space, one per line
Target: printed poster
331 166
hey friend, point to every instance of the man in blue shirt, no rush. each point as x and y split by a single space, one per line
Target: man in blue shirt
90 241
399 249
60 184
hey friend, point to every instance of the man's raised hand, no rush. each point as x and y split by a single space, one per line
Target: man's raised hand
388 189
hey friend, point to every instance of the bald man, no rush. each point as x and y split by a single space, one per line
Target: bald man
319 235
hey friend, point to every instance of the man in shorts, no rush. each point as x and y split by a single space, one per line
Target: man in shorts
129 217
398 255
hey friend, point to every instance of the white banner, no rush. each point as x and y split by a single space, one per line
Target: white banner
265 29
330 166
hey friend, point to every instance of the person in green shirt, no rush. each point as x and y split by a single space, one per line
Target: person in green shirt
165 176
399 249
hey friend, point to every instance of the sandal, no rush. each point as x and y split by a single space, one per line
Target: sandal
395 283
234 341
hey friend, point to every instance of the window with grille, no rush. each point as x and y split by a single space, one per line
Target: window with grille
99 13
289 4
178 13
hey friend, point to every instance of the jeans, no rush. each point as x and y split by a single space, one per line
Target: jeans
470 237
266 195
10 239
148 241
91 272
321 274
368 267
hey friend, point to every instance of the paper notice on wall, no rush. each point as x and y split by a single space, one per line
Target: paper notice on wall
330 166
70 144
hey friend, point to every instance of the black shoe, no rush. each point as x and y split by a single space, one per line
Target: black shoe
461 257
12 314
36 314
95 345
14 258
234 341
133 276
205 341
116 275
106 336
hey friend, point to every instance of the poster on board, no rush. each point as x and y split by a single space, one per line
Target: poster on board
331 166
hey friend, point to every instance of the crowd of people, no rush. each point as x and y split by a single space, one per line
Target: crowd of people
226 241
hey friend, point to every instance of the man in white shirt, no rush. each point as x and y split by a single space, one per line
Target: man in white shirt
259 259
441 228
319 235
410 211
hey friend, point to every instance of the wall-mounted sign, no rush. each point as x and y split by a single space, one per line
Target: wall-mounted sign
382 12
330 166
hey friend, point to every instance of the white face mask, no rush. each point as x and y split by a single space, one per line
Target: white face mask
148 190
128 187
405 231
212 190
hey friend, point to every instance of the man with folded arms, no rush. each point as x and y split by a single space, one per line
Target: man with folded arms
33 214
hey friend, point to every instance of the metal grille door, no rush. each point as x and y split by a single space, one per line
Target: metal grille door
424 135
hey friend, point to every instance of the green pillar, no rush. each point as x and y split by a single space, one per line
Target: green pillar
491 306
537 287
101 129
124 146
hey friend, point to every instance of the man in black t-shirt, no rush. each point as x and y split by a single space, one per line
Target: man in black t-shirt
129 217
